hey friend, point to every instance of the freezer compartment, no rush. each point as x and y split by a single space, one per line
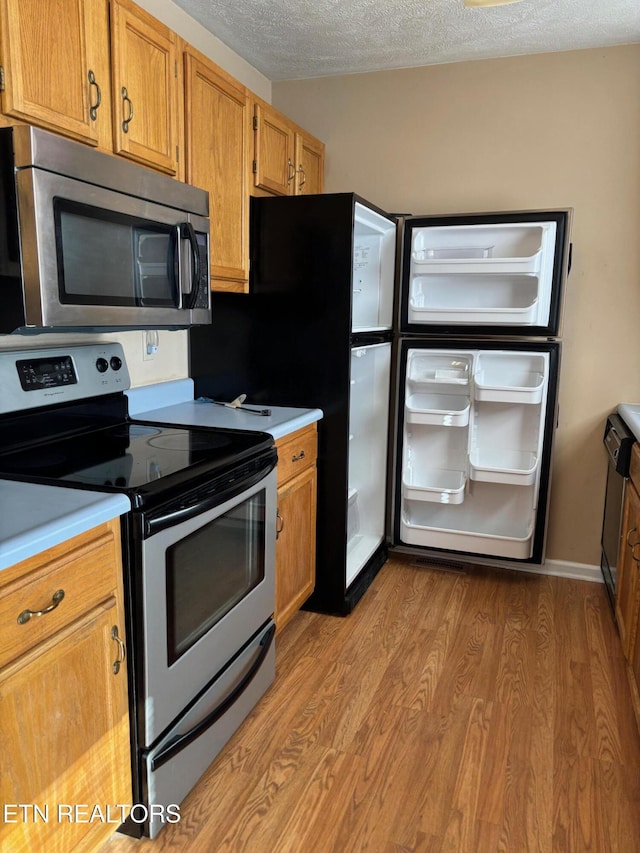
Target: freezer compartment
510 377
473 298
374 246
494 520
481 273
368 436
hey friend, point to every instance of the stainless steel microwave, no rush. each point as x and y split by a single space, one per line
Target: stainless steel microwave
90 241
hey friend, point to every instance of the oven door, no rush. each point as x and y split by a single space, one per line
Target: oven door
208 567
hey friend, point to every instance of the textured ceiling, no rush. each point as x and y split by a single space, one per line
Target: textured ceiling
293 39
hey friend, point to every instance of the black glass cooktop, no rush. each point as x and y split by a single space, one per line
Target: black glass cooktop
77 448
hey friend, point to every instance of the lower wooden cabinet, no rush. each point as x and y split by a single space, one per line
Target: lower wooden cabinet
296 522
64 738
628 580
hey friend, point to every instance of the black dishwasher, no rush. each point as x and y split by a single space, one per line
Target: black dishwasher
618 441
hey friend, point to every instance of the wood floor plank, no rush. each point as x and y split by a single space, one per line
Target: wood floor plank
476 712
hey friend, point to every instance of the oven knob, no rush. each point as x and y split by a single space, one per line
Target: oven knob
102 364
115 362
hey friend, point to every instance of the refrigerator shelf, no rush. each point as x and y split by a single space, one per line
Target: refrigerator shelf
518 468
438 409
482 265
438 485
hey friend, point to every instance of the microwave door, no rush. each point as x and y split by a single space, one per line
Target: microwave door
93 257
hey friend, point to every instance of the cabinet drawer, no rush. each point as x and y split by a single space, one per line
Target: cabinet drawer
86 576
296 452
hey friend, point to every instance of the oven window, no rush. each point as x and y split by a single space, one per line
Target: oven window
109 258
211 570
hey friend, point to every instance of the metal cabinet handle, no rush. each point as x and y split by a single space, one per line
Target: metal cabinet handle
633 551
57 597
304 177
122 651
298 457
279 524
93 108
633 530
127 100
292 171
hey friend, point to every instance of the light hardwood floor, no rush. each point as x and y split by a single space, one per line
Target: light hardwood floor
476 712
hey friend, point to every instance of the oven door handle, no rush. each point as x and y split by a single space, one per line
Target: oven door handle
180 742
155 523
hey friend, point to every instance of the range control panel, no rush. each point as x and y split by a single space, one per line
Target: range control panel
45 376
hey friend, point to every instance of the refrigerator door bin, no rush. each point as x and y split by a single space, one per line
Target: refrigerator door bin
518 468
510 378
374 245
438 409
494 520
439 369
472 299
438 485
516 247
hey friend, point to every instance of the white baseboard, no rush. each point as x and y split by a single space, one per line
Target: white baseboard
564 569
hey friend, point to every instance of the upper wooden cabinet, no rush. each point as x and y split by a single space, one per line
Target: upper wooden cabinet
287 159
273 166
218 153
55 61
145 85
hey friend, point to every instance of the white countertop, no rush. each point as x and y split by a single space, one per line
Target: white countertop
280 422
173 403
630 414
34 518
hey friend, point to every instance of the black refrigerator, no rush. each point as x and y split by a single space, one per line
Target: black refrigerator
432 346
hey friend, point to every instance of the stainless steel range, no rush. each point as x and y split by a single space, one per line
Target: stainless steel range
198 549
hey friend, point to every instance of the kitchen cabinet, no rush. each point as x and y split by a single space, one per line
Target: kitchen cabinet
309 164
628 581
218 152
55 66
296 522
273 167
64 738
287 159
146 81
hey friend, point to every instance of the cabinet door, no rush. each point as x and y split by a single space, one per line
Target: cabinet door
627 589
145 88
64 737
295 545
55 57
309 163
273 164
217 133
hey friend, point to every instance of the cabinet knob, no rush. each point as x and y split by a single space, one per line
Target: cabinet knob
279 524
57 597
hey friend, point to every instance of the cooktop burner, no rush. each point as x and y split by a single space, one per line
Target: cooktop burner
128 456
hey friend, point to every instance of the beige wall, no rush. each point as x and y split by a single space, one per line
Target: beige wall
551 130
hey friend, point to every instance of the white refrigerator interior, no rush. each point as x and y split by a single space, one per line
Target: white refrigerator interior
472 442
368 431
374 247
482 274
